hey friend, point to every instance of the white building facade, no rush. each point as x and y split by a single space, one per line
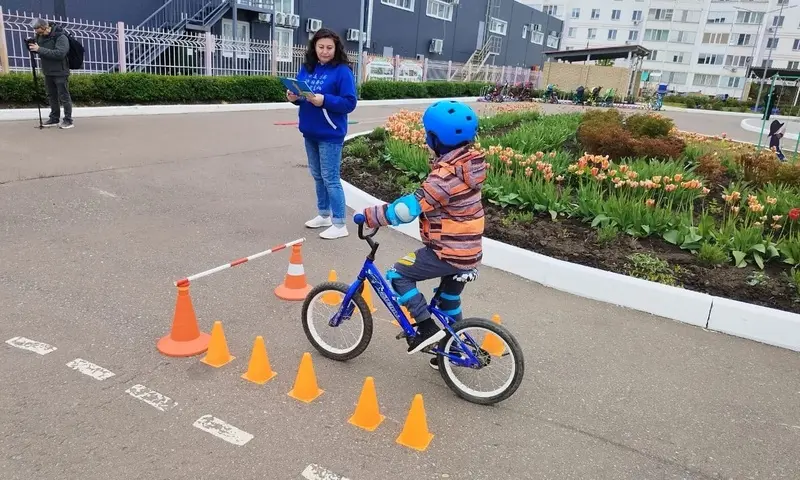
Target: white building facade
699 46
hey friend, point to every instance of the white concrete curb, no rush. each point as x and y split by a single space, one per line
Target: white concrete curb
747 124
16 114
765 325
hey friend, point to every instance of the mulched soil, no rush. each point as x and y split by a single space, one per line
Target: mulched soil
576 242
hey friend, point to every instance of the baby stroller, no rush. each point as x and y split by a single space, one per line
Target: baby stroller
550 94
658 102
578 98
594 97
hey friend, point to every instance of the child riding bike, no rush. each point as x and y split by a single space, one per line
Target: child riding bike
448 204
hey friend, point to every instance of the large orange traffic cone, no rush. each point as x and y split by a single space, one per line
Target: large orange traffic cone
332 297
415 432
492 343
367 414
305 384
294 286
185 339
218 353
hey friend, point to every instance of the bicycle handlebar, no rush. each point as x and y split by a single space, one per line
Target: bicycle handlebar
360 219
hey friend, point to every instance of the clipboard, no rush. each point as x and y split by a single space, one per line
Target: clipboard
298 87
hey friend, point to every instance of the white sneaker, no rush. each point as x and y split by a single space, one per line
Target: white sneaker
334 232
319 221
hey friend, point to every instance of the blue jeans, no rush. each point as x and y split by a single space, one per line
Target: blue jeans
324 162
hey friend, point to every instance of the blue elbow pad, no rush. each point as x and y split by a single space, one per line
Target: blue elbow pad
403 210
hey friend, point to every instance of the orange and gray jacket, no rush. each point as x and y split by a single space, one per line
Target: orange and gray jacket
451 219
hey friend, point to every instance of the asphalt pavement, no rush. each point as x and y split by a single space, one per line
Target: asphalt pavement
98 221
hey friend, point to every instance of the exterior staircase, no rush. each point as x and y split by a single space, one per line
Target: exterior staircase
492 44
175 16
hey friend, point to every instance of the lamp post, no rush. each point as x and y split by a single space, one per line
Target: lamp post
361 31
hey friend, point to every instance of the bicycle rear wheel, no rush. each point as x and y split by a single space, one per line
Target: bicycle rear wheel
493 345
320 305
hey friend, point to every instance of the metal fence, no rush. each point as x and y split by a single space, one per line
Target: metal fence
117 47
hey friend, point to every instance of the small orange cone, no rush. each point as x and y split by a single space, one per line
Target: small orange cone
294 286
367 414
367 295
491 343
305 385
259 370
407 314
331 297
415 432
185 339
218 354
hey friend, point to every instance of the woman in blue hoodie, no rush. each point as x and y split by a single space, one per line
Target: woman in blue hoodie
323 123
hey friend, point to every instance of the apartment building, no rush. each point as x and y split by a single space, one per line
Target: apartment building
479 32
703 46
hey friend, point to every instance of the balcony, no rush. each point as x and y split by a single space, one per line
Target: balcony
260 6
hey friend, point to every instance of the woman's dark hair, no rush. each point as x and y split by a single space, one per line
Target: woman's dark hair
339 57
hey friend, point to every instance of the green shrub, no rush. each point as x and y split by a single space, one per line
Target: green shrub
648 125
640 135
16 89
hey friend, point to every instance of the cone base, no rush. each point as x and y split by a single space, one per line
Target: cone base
370 428
298 294
173 348
260 381
420 444
218 364
306 399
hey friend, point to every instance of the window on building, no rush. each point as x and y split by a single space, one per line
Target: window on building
742 39
719 17
710 59
284 6
595 13
795 65
752 18
766 63
552 41
796 44
616 14
772 42
731 82
285 38
612 34
716 38
498 26
592 34
682 36
571 32
660 14
777 21
242 44
636 16
737 60
703 80
550 10
439 9
653 35
652 56
689 16
677 57
576 13
402 4
537 37
633 35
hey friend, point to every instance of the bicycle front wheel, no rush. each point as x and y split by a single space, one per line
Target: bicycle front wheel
351 337
497 351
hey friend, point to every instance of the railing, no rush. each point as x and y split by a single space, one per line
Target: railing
172 14
116 47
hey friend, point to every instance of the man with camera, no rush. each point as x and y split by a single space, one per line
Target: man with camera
52 46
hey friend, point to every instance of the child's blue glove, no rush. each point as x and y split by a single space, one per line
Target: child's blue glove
403 210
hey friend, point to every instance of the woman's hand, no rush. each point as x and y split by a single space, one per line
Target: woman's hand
316 100
291 96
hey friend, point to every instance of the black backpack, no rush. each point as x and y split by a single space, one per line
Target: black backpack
75 53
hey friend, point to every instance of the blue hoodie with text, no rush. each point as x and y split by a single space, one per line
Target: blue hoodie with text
329 122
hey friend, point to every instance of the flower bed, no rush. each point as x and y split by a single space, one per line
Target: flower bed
703 213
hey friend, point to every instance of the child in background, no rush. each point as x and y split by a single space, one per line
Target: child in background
451 215
776 130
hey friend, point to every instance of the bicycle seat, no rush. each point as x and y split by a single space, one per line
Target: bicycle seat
466 277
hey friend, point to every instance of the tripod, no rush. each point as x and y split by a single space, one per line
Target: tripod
36 89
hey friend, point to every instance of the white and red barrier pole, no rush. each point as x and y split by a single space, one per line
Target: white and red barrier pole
185 281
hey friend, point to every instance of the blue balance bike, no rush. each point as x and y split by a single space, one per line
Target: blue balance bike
332 309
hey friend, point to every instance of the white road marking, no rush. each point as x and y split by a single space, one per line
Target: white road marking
31 345
104 193
151 397
88 368
315 472
220 429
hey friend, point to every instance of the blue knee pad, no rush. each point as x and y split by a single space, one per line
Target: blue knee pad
391 276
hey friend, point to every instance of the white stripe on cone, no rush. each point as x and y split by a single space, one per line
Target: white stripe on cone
296 269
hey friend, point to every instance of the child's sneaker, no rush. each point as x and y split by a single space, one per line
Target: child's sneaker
429 334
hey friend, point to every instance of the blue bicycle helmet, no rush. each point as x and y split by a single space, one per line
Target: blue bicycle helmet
449 124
